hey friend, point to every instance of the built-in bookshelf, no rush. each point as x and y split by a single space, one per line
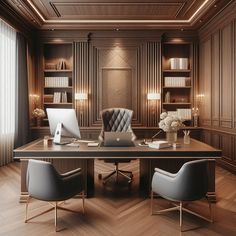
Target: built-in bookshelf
58 73
177 82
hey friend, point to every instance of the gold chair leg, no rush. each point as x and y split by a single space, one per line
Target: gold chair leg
26 209
55 216
83 202
210 210
180 215
117 172
151 202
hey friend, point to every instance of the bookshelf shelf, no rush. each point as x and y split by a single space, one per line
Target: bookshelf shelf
174 71
176 103
59 103
54 87
177 87
59 71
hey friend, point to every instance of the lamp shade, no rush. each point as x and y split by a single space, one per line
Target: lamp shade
153 96
81 96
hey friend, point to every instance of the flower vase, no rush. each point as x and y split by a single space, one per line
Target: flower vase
171 136
38 121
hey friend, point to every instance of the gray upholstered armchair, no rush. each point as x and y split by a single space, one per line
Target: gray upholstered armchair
190 183
46 184
117 120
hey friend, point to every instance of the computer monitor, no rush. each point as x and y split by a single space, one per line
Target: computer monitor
63 122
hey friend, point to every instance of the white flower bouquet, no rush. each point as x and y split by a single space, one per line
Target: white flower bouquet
38 113
170 123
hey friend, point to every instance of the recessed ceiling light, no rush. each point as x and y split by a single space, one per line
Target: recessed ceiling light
200 20
182 29
117 29
215 5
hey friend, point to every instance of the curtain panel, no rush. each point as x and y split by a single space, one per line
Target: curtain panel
7 91
21 96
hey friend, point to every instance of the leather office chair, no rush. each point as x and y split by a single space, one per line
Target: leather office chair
46 184
117 120
190 183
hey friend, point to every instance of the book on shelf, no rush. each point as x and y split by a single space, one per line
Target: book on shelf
57 97
48 97
172 113
64 97
185 114
178 63
176 81
57 81
61 65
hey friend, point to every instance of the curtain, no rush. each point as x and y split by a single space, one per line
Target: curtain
21 97
7 91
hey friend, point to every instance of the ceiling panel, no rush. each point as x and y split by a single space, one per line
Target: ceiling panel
118 10
135 14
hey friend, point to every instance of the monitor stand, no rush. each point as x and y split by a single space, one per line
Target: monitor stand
58 139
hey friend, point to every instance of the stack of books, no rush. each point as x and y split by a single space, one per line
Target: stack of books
60 97
185 114
176 81
48 98
61 65
57 97
178 63
56 81
159 144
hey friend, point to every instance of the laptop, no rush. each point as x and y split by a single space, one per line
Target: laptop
118 139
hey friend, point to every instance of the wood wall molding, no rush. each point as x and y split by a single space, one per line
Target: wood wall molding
234 71
217 66
205 83
226 77
226 142
224 17
215 83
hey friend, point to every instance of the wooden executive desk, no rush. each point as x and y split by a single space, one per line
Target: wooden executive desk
65 158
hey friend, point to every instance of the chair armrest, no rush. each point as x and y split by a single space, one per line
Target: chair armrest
72 172
163 172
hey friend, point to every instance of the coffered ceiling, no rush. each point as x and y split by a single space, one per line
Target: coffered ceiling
122 14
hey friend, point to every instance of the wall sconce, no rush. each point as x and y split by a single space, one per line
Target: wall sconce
200 98
81 96
153 97
195 110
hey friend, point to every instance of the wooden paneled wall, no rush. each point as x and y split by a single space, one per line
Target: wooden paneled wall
117 61
218 84
81 81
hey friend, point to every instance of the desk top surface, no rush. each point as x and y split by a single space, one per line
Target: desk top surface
37 149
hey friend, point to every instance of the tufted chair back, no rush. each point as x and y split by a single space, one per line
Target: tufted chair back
116 120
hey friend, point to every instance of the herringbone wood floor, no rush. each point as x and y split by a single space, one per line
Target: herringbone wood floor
115 210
